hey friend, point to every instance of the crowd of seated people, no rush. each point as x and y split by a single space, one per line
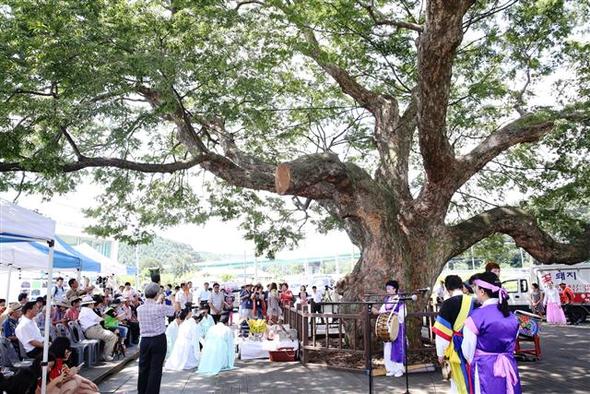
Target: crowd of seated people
107 314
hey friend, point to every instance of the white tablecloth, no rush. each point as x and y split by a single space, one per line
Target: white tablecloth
250 350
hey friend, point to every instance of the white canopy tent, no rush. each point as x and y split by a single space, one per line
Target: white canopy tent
22 225
107 266
18 223
33 255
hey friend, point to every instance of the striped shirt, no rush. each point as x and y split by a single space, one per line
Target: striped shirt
151 316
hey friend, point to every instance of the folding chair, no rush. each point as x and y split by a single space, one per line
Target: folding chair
9 357
52 333
82 351
79 338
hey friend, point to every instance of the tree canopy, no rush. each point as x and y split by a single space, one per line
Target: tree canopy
473 113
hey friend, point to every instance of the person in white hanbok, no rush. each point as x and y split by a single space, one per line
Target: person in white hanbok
219 350
172 333
186 353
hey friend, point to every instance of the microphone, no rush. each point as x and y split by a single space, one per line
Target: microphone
423 290
412 297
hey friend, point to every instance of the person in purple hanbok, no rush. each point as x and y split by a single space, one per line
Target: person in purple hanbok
489 339
393 352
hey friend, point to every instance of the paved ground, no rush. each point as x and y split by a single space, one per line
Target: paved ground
105 369
565 368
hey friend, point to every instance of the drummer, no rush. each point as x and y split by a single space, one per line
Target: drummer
448 330
393 352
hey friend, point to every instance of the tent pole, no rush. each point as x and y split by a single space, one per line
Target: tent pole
8 284
47 318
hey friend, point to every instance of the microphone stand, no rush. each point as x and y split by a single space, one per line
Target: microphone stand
370 360
406 352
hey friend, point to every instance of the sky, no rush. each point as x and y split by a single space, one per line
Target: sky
215 236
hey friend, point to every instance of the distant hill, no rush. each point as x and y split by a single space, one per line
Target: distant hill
171 256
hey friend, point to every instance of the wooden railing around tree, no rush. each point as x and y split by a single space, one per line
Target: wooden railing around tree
327 331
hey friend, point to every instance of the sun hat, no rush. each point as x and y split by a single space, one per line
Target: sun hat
87 300
62 303
14 306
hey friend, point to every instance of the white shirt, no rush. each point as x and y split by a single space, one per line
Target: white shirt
317 296
27 331
88 318
204 295
181 298
216 300
59 293
129 293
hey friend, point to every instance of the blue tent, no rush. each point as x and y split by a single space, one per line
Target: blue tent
34 255
86 263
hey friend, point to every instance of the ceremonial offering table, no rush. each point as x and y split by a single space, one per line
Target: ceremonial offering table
252 349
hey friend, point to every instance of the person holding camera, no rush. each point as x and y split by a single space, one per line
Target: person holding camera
246 303
152 349
258 302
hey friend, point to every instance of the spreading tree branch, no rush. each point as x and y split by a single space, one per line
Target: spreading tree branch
525 231
90 162
72 143
528 128
349 85
380 20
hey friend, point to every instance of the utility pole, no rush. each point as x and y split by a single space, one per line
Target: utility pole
137 266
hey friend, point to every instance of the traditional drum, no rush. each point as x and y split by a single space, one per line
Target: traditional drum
528 322
387 327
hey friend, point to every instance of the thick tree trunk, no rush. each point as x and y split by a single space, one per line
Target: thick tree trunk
414 257
412 252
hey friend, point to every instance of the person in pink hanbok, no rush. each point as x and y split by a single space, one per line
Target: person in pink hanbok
553 307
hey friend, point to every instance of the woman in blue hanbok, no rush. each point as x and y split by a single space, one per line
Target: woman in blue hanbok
219 350
205 321
185 354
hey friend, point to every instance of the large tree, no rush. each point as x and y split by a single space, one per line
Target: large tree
412 124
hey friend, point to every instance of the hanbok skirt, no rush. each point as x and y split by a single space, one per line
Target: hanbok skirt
185 354
555 314
218 352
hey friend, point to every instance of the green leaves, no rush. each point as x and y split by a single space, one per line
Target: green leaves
268 221
84 67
